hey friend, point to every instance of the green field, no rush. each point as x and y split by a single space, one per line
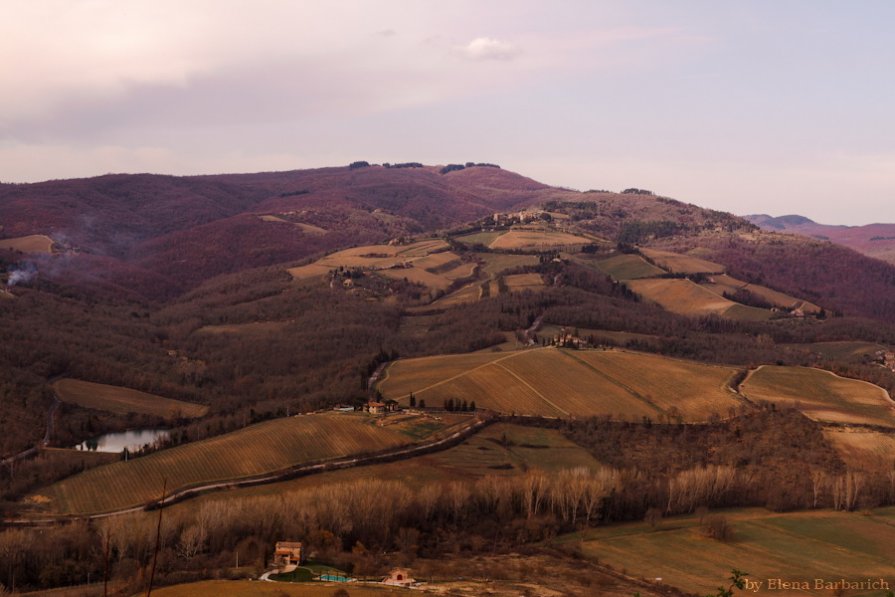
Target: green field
796 546
410 261
628 267
264 447
124 400
495 263
480 238
557 383
822 395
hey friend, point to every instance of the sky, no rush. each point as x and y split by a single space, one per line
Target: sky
781 106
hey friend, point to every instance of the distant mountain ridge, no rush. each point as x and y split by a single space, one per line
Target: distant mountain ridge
873 240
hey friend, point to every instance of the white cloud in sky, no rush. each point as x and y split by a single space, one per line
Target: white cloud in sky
488 48
661 95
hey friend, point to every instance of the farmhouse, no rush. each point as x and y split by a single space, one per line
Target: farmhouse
380 408
376 408
288 553
399 577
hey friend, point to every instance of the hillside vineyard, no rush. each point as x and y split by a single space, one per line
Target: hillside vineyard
425 373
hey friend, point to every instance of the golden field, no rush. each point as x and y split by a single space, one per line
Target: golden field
558 383
124 400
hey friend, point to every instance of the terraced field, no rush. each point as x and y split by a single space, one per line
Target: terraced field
470 293
379 257
124 400
688 298
822 395
520 282
628 267
265 447
35 243
794 546
724 283
557 383
679 263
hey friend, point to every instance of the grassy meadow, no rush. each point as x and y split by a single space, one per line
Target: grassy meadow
822 395
628 267
124 400
495 263
795 546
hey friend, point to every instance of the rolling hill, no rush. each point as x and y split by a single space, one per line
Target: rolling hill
873 240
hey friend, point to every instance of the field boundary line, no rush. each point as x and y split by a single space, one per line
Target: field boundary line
530 387
467 372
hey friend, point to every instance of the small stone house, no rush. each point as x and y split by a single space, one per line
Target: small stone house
376 408
288 553
399 577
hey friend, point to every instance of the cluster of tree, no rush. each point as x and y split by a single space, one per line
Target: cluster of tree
636 231
359 164
745 297
452 405
18 478
403 165
452 168
636 191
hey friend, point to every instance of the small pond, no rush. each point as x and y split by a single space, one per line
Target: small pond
116 442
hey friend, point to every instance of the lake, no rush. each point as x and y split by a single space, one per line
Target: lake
116 442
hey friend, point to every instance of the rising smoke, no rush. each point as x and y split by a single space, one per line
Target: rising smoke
21 275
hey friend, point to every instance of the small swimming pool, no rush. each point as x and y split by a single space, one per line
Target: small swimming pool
334 578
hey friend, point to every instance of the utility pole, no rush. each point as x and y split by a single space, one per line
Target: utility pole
158 536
